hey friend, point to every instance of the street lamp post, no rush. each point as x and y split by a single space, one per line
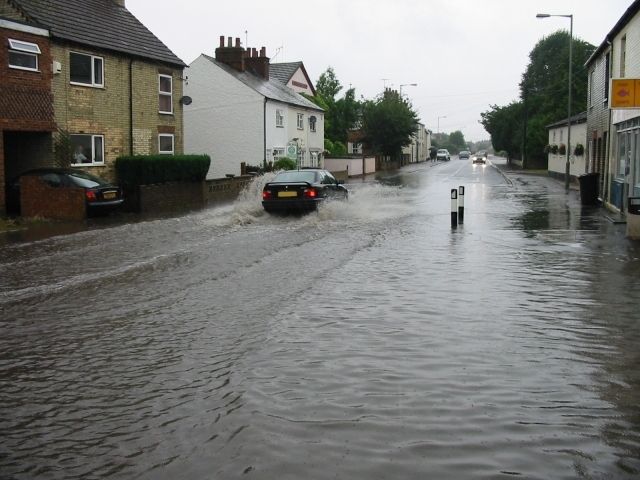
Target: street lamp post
407 85
443 116
567 168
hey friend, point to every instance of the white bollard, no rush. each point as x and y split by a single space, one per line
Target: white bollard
454 208
461 204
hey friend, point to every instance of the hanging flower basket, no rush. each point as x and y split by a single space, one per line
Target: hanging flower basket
579 150
562 149
554 149
547 149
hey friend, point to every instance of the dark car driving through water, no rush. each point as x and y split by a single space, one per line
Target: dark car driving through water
301 190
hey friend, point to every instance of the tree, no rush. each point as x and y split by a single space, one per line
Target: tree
543 97
388 123
341 114
457 142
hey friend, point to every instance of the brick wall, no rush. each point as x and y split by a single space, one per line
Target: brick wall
37 199
107 111
26 102
225 189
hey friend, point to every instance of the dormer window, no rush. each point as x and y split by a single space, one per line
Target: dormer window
23 55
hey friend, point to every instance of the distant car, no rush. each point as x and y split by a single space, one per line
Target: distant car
301 190
464 155
443 154
100 195
480 157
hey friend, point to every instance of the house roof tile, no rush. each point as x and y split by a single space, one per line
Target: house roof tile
272 89
98 23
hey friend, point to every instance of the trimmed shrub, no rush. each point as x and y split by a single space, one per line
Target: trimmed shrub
151 169
285 163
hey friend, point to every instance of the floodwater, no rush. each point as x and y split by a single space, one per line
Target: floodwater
367 341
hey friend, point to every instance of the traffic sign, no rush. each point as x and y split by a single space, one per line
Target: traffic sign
625 93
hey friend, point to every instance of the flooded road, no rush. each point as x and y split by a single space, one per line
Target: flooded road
367 341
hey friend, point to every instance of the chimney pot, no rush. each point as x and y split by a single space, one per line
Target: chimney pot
230 42
237 42
263 52
221 41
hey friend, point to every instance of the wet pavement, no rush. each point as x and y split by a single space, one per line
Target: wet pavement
369 340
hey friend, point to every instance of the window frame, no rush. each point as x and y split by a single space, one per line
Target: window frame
93 59
173 143
312 123
93 149
18 47
300 121
279 118
165 94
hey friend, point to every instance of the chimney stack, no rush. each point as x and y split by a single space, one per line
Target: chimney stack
257 62
231 55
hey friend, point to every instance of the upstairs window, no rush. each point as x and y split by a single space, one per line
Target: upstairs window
312 123
279 119
165 93
300 121
86 70
23 55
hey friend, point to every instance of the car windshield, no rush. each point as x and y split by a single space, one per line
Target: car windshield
296 176
442 151
86 180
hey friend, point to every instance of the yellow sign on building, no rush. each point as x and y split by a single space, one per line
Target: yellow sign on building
625 93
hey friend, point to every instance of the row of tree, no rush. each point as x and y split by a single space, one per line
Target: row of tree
520 128
386 123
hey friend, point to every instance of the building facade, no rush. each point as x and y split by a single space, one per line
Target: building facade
613 147
113 87
242 114
557 156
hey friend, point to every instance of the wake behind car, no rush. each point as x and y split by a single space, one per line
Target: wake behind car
301 190
443 154
100 195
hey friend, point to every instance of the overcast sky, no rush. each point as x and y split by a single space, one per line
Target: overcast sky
465 55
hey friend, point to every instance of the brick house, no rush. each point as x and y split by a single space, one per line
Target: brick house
613 147
116 88
243 113
26 101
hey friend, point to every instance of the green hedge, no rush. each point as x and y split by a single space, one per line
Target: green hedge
150 169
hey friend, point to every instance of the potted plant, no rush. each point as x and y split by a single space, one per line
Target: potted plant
554 149
579 150
562 149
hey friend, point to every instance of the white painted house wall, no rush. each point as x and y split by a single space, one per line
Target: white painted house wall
225 119
577 163
298 80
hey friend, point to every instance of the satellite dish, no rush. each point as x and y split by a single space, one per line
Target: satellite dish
186 100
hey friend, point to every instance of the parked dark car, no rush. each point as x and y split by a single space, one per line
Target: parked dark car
480 157
301 190
100 195
464 155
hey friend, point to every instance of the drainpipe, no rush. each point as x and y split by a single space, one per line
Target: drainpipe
606 184
264 134
131 106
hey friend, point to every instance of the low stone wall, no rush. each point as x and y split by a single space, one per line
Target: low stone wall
38 199
165 197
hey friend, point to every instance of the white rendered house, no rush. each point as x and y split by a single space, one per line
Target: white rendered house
240 114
